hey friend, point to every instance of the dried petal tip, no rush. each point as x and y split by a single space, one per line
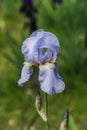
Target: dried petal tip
42 114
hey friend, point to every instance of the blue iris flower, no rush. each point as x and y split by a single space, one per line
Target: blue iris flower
27 1
41 48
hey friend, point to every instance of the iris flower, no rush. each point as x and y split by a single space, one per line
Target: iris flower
58 1
28 9
41 49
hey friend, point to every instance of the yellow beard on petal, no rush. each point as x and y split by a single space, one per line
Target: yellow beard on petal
50 64
29 64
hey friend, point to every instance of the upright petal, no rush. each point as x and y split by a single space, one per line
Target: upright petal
44 56
38 41
49 41
37 33
28 47
50 81
25 74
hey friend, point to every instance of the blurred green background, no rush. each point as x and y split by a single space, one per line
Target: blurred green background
69 23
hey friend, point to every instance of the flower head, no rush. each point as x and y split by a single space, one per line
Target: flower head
42 48
28 8
58 1
27 1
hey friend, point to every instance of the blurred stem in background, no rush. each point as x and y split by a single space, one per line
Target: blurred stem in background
86 38
32 121
46 110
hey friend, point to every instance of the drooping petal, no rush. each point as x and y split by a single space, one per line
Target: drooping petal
25 74
50 81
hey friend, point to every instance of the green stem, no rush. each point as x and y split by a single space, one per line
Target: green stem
32 121
46 110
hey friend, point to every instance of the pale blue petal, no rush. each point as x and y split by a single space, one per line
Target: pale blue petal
28 49
25 74
50 81
37 33
39 48
50 42
44 56
40 40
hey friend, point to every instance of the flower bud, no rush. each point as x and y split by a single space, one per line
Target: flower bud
38 105
66 117
38 102
64 124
